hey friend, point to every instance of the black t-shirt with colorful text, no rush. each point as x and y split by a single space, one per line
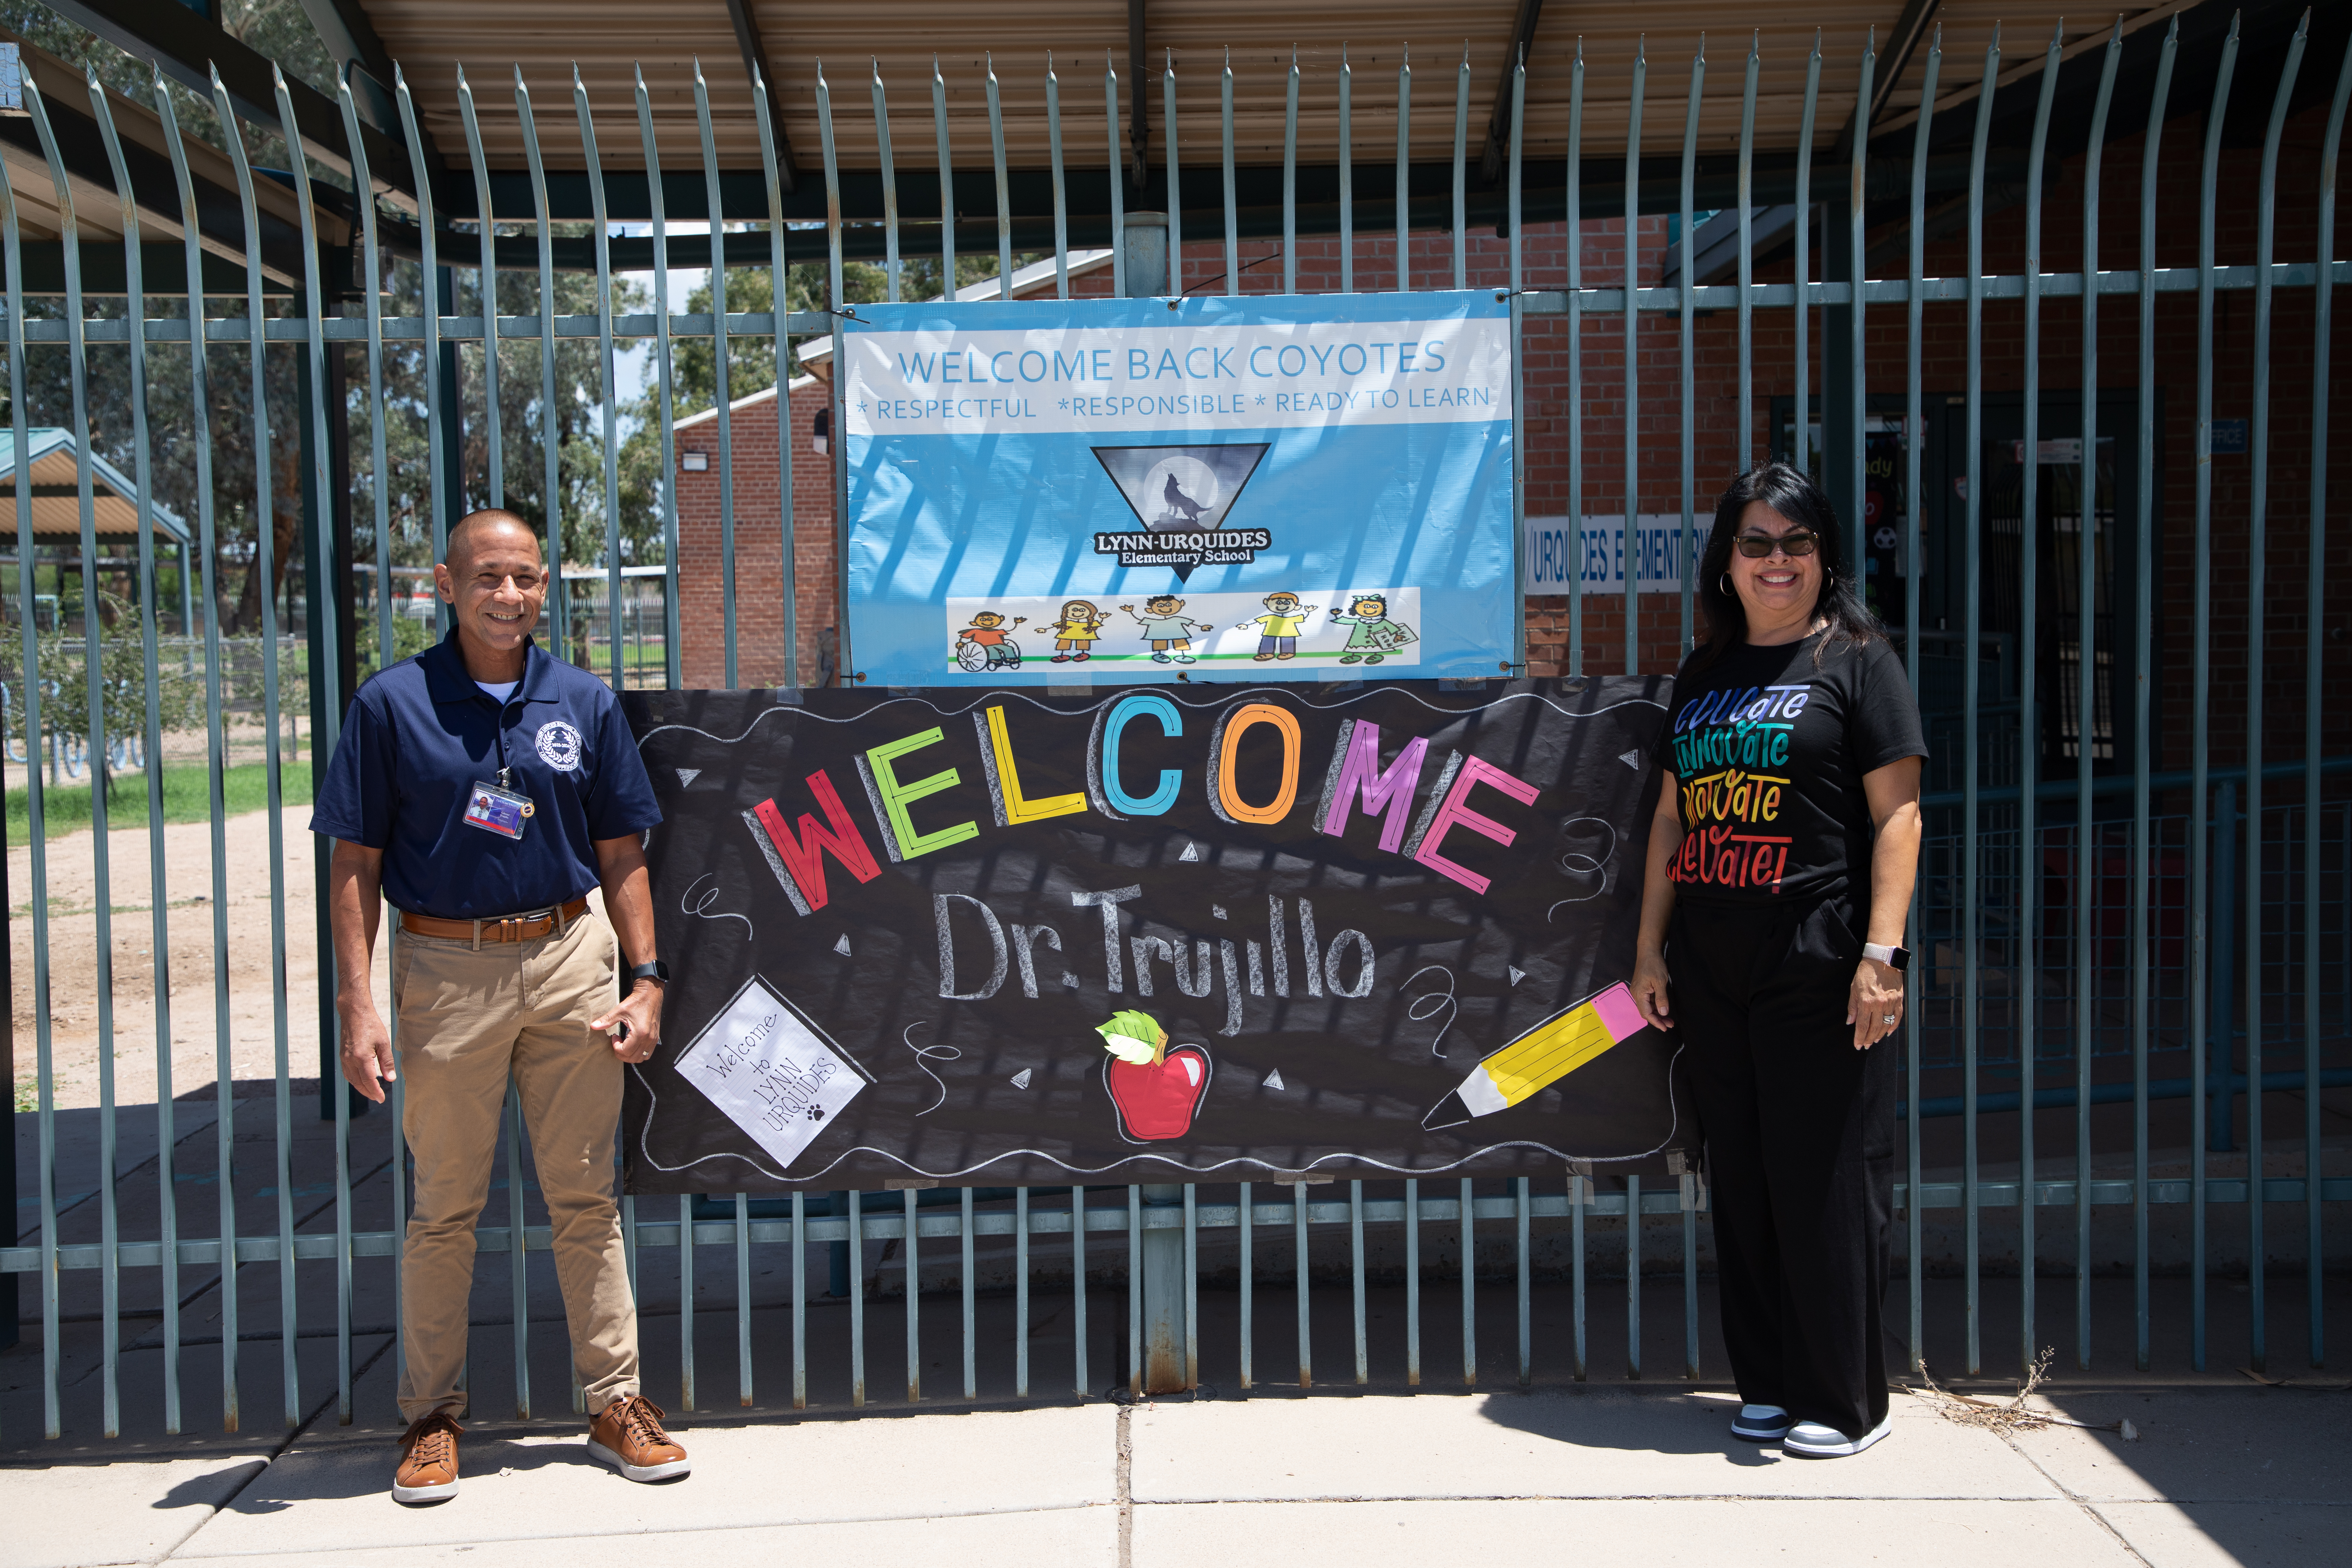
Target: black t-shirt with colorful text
1768 747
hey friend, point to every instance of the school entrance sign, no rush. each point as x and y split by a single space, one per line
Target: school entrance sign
1268 488
1152 935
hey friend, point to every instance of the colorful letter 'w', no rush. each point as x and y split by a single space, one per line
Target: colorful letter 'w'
798 861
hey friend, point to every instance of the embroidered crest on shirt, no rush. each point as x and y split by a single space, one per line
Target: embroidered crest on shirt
559 746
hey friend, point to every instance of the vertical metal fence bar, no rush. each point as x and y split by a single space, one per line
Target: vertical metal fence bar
967 1237
721 355
1117 173
1633 1276
1356 1276
264 562
1578 1188
1004 187
1802 419
1413 1283
778 288
151 739
518 1266
1526 1304
1078 1285
743 1299
914 1300
889 172
1971 664
947 186
325 681
611 399
1290 178
493 429
1248 1232
1743 451
1690 1275
1298 1244
1020 1292
1233 233
1404 171
1061 192
800 1297
77 367
439 456
2200 888
1175 170
2144 610
1135 1292
856 1297
2031 870
1518 665
1192 1279
1347 176
2086 705
1687 273
37 844
200 414
2316 592
1913 428
1462 171
1574 239
665 386
836 404
1857 268
1518 218
2257 552
1629 551
1469 1292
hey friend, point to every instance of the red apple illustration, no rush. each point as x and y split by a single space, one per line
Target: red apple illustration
1157 1090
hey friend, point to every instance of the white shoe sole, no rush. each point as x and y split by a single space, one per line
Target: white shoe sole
1844 1450
441 1493
605 1456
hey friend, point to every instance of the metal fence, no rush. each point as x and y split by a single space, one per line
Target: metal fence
2208 940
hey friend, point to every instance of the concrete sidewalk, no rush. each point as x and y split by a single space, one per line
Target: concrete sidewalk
2214 1476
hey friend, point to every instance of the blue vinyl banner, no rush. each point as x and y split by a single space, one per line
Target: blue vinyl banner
1265 487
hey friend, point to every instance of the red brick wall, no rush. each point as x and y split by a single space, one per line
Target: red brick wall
759 588
1550 404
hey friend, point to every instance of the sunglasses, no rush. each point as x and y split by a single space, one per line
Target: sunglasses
1757 546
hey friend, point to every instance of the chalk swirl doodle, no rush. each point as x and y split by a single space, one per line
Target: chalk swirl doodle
1576 863
936 1053
699 907
1429 1004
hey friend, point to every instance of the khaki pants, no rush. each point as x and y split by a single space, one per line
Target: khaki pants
468 1018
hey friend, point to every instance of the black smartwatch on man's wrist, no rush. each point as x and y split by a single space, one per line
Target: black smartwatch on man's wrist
656 971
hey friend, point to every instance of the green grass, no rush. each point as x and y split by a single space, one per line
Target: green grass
187 798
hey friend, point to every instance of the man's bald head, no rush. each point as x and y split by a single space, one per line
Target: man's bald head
476 529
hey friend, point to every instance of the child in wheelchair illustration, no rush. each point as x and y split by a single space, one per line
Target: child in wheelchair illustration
987 644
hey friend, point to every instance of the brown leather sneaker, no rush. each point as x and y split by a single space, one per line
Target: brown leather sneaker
428 1460
627 1435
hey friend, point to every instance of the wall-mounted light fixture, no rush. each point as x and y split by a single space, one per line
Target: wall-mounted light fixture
694 462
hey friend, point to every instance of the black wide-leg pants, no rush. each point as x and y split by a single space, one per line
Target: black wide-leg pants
1799 1137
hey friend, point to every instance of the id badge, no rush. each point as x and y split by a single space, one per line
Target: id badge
497 810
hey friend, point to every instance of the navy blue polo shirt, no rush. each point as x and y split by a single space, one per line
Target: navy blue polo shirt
418 737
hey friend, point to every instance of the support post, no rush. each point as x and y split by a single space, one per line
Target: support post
1840 414
320 578
1162 1284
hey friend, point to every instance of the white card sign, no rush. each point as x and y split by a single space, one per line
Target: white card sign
775 1077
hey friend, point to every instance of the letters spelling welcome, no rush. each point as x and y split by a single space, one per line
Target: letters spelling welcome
1353 778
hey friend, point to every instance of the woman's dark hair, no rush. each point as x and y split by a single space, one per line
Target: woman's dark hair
1792 493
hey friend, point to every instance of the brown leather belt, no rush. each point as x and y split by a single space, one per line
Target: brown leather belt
528 926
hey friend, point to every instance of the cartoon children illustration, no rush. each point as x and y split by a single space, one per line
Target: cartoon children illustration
1373 636
1278 628
1170 632
1074 633
987 644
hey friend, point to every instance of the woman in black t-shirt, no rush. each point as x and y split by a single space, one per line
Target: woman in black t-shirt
1779 874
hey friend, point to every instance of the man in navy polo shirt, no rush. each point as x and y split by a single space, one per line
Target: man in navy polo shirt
482 788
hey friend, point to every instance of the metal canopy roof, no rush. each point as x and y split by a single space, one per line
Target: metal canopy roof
57 507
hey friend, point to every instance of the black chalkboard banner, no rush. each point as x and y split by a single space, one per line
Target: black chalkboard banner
1219 933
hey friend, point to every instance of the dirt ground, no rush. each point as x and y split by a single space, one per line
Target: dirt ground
74 989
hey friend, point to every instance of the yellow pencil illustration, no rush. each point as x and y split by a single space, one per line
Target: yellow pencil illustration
1543 1055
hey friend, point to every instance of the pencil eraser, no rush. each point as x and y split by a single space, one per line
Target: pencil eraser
1618 1014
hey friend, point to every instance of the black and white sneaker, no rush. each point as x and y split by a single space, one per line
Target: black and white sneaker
1812 1440
1761 1424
